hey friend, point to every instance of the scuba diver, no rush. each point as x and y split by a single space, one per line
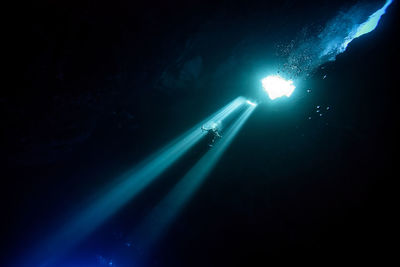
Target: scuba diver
212 134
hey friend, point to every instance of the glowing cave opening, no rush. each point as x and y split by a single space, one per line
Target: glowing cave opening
276 86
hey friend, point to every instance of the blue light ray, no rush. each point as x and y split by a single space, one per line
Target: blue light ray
366 27
320 47
128 186
156 224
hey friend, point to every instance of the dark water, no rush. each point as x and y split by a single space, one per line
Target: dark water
103 85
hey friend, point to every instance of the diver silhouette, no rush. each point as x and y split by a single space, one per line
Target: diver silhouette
212 135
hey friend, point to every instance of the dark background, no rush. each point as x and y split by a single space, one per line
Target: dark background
100 85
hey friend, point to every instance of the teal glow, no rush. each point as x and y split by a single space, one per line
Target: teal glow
251 103
368 26
156 224
125 189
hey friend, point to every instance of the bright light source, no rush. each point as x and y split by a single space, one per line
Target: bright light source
251 103
276 86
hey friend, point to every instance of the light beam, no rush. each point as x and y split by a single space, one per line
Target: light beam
128 186
157 222
251 103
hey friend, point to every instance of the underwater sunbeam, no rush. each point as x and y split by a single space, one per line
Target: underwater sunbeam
127 187
157 222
